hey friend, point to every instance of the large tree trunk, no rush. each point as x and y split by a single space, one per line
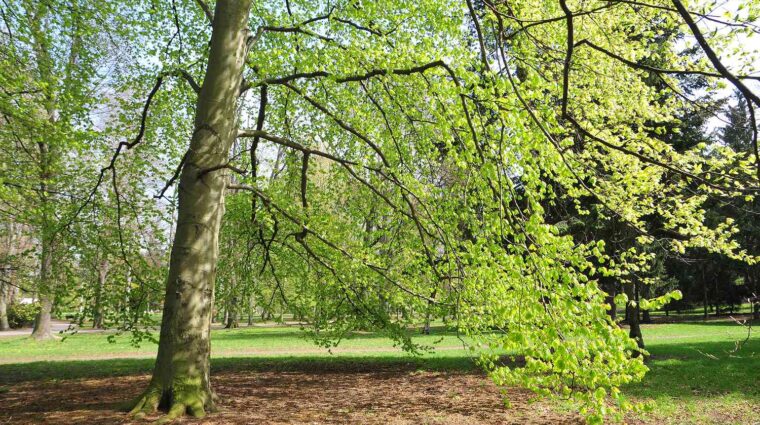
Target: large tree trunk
181 374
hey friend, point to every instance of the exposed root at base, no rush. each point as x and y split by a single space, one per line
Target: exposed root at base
191 401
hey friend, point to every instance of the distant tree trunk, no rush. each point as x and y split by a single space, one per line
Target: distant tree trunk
181 373
97 317
6 287
251 301
426 328
633 315
3 306
43 328
611 288
645 317
704 294
755 300
232 317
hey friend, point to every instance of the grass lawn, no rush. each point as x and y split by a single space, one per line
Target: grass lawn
246 341
695 376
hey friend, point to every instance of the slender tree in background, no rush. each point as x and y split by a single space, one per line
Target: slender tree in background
43 102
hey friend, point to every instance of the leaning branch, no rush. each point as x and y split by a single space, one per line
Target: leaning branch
123 146
206 10
710 53
361 77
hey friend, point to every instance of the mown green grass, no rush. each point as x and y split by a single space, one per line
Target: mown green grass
696 376
247 341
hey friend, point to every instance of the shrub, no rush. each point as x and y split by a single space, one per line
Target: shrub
20 315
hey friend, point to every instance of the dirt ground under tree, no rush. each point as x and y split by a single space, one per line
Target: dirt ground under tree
295 397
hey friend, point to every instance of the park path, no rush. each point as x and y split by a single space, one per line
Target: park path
56 325
62 325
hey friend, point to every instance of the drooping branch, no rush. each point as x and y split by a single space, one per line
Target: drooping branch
658 163
122 146
359 27
299 223
713 18
586 42
712 56
349 166
189 78
263 98
479 33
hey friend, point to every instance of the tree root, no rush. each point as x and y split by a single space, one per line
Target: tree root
191 400
147 402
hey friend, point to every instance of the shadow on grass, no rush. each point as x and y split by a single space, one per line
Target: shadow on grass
701 370
680 370
62 370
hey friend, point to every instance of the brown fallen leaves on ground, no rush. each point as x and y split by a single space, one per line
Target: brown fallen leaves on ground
296 397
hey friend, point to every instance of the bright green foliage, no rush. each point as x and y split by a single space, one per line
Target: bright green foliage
425 191
397 162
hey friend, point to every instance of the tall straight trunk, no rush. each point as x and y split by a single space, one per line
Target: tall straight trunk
97 316
49 156
181 374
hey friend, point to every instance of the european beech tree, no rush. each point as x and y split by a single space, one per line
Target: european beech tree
388 161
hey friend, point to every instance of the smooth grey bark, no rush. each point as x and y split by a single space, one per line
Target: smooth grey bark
181 374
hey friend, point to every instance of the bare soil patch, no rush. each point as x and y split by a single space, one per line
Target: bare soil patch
293 397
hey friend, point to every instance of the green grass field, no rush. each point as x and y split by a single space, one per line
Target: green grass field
696 375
